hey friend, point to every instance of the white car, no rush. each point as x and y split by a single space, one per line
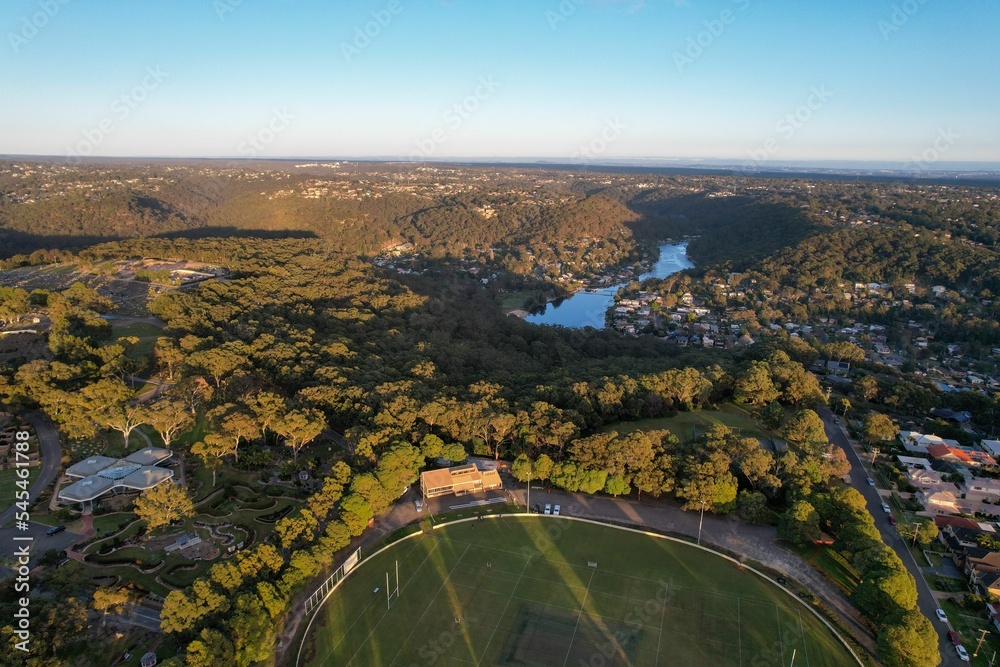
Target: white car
548 508
555 511
963 655
885 508
941 615
871 482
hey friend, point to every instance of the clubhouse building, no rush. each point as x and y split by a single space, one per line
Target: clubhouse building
459 480
101 475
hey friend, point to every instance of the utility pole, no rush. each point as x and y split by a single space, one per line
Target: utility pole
875 452
916 531
982 638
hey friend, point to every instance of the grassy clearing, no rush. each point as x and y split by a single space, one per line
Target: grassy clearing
8 484
145 332
519 591
689 425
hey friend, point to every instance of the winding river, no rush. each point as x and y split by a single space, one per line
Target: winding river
587 309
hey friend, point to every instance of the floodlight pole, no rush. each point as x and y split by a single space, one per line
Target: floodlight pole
527 503
387 590
700 521
397 579
792 663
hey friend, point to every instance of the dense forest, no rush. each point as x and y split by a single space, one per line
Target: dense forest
305 335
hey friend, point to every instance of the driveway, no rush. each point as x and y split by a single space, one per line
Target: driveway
859 474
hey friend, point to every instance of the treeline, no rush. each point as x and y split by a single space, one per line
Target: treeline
887 592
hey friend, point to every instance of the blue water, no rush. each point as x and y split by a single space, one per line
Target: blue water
587 309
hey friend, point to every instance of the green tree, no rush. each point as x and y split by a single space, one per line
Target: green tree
799 523
805 429
617 485
300 427
163 504
772 415
909 640
885 593
876 427
168 417
751 507
211 649
111 599
754 386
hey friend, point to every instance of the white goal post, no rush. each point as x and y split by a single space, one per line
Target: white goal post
320 593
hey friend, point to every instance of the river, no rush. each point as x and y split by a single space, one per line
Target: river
587 309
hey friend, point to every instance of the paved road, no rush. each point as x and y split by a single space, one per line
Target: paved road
51 454
859 475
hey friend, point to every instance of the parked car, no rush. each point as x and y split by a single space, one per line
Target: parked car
963 655
885 508
954 638
892 520
548 508
871 482
55 529
555 510
836 420
941 616
419 505
538 508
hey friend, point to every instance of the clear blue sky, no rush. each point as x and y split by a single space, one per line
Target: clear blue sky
277 71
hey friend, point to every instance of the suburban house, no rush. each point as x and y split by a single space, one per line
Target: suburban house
919 442
963 418
939 502
982 488
989 585
991 447
459 480
967 457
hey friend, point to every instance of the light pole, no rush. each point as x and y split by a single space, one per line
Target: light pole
875 453
916 531
527 505
700 521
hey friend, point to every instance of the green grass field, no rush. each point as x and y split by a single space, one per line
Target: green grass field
688 425
520 591
9 487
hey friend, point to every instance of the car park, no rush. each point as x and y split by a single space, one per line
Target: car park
548 508
555 510
941 616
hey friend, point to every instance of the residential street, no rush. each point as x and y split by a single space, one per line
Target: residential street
859 475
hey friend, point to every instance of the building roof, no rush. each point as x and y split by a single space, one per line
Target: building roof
963 455
102 474
149 456
90 466
957 522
